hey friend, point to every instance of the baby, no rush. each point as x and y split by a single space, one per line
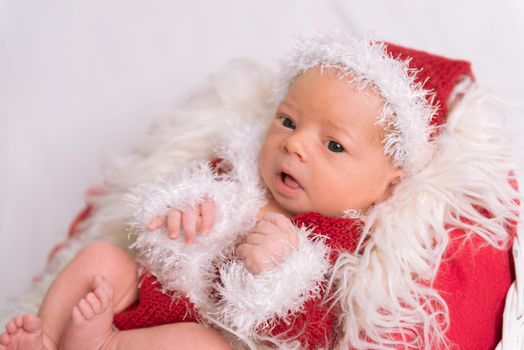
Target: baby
309 232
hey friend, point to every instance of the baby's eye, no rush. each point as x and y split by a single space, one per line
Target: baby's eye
334 146
287 122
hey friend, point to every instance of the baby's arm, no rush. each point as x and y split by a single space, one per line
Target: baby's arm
172 205
280 277
266 247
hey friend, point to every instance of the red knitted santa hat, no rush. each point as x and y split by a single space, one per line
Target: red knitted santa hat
438 74
415 85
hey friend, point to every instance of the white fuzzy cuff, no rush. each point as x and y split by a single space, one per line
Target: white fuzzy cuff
181 189
251 302
192 268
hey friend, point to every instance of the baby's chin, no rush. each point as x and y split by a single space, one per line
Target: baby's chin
285 206
294 207
301 209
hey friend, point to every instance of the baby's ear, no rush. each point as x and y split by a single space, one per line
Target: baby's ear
395 177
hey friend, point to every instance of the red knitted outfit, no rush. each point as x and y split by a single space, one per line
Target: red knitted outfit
436 73
313 327
473 280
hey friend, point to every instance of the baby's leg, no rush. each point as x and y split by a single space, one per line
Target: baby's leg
179 336
91 320
76 281
71 285
91 329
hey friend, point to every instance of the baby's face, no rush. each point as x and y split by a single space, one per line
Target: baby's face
323 151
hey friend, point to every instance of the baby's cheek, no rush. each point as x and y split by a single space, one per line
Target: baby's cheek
322 202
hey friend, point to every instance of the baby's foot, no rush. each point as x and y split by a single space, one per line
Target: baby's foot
91 319
23 333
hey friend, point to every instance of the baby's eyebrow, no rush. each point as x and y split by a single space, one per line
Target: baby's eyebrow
286 104
340 128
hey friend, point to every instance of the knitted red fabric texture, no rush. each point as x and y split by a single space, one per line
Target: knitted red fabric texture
473 280
436 73
313 327
342 234
155 308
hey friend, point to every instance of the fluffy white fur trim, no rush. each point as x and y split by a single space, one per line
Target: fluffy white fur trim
406 112
238 92
249 303
387 289
191 268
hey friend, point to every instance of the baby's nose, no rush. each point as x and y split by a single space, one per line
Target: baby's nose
295 146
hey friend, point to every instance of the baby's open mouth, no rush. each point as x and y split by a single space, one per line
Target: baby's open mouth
289 180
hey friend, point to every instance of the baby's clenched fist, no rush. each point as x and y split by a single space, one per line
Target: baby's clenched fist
268 243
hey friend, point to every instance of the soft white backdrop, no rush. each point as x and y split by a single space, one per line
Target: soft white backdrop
82 79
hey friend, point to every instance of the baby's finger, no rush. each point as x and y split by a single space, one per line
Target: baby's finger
244 250
265 227
156 223
173 224
277 219
208 212
189 222
255 238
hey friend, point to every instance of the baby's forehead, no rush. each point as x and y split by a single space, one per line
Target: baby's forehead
366 92
342 100
344 74
363 88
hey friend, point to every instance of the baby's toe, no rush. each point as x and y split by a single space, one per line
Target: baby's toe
77 317
19 320
94 302
11 327
5 339
103 297
101 282
104 291
32 323
85 309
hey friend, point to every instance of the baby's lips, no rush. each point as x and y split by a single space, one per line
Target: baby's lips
291 181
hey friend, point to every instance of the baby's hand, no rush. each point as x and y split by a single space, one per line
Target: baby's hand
268 243
199 220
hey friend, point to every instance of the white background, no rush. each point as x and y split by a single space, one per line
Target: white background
82 79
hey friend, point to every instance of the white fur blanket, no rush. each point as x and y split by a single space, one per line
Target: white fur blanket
239 92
